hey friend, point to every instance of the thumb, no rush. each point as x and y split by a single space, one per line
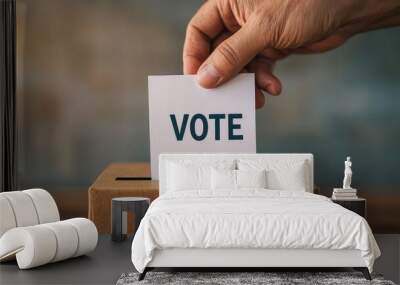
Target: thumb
230 56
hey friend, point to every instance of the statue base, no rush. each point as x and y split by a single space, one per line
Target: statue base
344 190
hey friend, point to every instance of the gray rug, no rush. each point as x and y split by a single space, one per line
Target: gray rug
232 278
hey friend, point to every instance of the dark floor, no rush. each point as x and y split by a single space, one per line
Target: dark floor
103 266
111 259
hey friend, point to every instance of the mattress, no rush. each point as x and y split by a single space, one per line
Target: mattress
250 219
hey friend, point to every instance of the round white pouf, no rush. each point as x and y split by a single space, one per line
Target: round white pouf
67 240
45 205
87 233
23 208
33 246
41 244
31 232
7 219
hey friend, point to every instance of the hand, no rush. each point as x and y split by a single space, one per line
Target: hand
226 37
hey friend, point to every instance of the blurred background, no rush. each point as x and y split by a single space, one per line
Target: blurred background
82 95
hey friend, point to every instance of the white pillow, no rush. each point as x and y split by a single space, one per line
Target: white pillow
280 174
293 179
237 179
251 178
188 175
223 179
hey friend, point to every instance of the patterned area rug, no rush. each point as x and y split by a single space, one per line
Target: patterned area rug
233 278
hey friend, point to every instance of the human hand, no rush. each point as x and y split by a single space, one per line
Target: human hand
226 37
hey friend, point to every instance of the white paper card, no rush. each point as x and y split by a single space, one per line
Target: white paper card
187 118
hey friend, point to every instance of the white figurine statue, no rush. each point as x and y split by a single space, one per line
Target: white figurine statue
348 173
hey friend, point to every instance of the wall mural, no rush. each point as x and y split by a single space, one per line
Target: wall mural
83 91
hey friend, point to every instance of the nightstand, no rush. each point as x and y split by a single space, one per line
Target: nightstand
119 208
358 206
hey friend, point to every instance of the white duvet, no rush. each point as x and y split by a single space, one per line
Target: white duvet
250 219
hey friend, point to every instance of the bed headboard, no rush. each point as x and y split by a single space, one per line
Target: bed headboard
164 158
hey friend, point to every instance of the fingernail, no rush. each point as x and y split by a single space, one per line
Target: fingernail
277 89
273 89
208 76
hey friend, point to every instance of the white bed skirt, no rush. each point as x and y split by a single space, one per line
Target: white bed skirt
189 257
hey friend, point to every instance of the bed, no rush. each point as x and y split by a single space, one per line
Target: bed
246 211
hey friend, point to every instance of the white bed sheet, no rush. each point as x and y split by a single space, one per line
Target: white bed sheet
251 218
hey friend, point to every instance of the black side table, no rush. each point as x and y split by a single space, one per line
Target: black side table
358 206
119 208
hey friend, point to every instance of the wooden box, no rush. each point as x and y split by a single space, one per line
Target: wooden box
119 180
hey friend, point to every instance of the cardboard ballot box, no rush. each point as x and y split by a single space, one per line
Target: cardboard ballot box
119 180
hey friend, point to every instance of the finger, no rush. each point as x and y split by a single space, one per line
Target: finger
265 79
204 26
260 99
259 96
274 54
218 40
230 56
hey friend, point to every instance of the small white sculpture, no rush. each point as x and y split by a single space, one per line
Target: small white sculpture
348 173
